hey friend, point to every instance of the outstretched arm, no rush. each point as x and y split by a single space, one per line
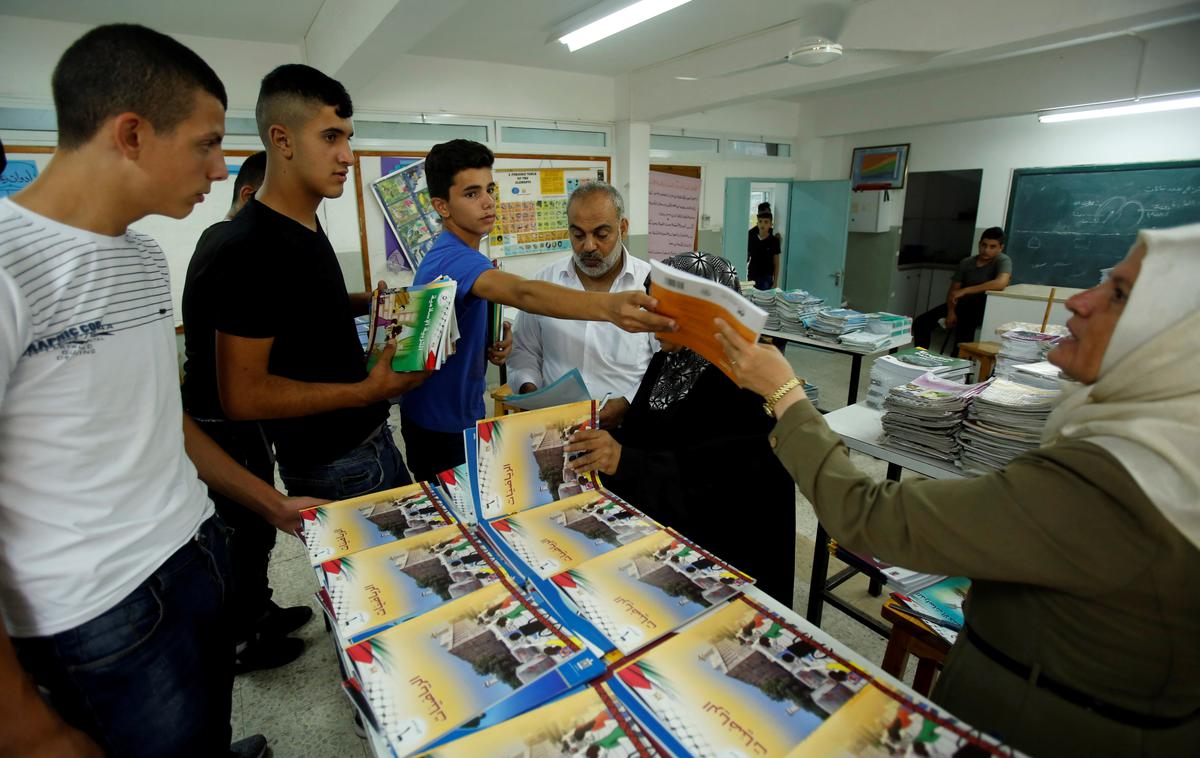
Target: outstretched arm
632 311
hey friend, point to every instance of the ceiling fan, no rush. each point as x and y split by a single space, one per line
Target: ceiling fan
824 24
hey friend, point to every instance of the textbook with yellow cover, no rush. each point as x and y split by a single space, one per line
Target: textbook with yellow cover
492 654
637 593
338 529
521 461
744 681
555 537
586 724
372 589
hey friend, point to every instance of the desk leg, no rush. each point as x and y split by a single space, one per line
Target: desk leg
855 370
895 656
816 583
874 587
893 472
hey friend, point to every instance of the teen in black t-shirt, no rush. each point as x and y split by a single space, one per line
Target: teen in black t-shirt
763 248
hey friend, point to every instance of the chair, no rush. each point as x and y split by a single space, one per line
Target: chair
911 636
982 352
499 407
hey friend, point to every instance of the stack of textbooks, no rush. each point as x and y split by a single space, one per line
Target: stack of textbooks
1042 374
419 319
940 606
764 299
865 340
1005 420
902 367
924 416
793 306
496 611
832 323
1018 347
890 324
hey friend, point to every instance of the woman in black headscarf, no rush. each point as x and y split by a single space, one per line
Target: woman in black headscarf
692 453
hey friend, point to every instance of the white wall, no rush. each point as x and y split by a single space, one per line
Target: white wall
767 118
29 49
1000 145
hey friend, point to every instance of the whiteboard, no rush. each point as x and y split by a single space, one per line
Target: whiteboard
375 260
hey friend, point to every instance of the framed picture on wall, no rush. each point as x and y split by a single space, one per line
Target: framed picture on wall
879 168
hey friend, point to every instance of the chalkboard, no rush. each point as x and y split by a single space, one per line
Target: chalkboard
1067 223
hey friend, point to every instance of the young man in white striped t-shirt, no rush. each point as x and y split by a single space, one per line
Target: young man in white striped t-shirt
112 565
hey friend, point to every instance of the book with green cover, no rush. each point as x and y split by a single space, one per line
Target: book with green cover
420 320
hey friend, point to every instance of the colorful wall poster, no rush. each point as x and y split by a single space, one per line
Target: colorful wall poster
18 175
381 586
430 674
412 223
553 538
587 724
876 168
674 214
522 461
531 209
637 593
338 529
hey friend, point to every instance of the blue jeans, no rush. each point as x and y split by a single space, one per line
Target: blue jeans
373 466
764 282
154 675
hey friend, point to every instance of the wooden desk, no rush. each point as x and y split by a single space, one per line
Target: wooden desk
984 352
856 354
499 407
912 636
861 429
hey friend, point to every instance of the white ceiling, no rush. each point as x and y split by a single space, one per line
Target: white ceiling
253 20
353 39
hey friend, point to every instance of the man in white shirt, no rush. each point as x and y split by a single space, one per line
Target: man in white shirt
612 361
113 568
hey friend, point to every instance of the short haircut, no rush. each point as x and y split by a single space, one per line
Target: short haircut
587 189
764 208
123 68
291 90
251 173
445 161
993 233
766 214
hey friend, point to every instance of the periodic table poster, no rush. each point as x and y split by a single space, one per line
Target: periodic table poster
531 215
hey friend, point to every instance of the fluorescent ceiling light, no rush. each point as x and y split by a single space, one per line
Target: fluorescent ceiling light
1144 106
617 21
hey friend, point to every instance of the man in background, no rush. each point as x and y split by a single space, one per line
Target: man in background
987 271
611 360
260 626
764 247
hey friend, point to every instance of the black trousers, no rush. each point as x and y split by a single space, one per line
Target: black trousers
252 538
970 315
428 452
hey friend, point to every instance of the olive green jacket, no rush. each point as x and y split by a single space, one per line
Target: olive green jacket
1073 570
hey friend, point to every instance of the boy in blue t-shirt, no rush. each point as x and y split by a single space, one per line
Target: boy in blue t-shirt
434 415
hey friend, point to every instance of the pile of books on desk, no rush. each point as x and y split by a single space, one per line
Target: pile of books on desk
890 324
793 306
924 416
1019 346
1005 420
511 608
832 323
902 367
940 606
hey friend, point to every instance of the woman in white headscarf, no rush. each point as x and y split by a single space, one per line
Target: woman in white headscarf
1082 628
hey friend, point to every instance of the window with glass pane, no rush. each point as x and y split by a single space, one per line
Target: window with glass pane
528 135
680 143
